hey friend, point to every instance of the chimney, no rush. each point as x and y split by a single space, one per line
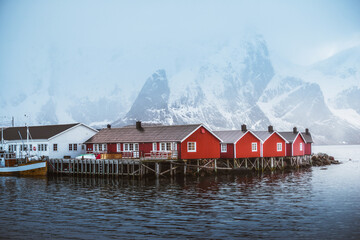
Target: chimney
295 130
243 128
138 125
307 131
270 129
108 126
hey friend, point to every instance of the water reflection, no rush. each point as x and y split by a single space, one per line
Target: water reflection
258 205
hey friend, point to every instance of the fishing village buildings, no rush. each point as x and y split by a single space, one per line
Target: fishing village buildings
52 141
191 141
139 149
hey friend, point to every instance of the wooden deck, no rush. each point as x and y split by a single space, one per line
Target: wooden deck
169 167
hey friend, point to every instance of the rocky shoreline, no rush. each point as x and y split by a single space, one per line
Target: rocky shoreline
322 159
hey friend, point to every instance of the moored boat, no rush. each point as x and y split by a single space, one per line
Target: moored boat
9 165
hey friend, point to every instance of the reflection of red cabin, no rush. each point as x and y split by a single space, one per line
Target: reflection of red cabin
157 141
239 143
296 143
308 141
273 144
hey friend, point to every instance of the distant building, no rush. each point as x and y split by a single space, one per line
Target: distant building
308 141
295 145
273 144
53 141
193 141
239 143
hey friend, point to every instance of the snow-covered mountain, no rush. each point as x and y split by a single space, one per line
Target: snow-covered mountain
239 85
220 85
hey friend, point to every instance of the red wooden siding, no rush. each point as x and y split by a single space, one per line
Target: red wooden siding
243 146
89 147
308 149
144 148
229 153
288 152
111 148
207 145
296 146
270 146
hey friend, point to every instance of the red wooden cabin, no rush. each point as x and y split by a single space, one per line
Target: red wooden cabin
295 145
273 144
308 141
239 143
194 141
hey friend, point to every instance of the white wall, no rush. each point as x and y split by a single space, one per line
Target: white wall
33 143
76 135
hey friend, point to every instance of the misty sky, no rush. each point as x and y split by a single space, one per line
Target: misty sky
110 45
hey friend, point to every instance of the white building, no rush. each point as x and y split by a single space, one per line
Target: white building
53 141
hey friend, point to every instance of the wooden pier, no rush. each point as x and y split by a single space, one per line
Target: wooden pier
166 167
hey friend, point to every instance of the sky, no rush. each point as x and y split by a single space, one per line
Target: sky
107 46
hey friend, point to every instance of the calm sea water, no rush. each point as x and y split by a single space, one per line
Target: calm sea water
323 202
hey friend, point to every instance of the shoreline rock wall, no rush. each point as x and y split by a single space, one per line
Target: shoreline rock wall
322 159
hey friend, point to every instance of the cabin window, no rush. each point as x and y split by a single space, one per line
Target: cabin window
301 147
118 147
223 147
96 147
279 147
100 147
154 147
104 147
130 147
45 147
165 146
75 147
174 146
30 147
55 147
191 146
82 146
254 147
70 147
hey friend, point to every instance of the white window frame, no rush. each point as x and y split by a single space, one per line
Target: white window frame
189 145
301 146
131 147
165 146
154 146
254 147
55 147
279 147
96 147
118 147
223 147
75 147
